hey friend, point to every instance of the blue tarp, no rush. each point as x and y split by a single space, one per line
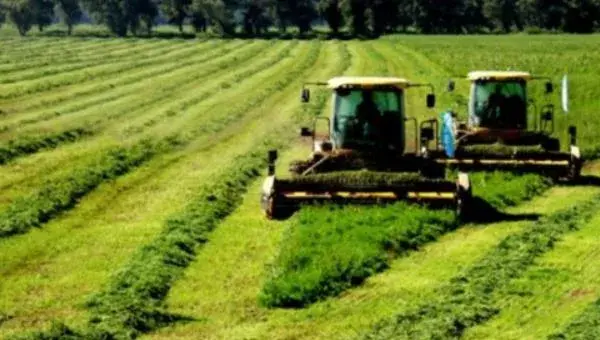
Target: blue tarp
447 134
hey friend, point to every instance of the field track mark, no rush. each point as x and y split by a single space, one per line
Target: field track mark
196 97
298 67
100 72
58 47
51 199
33 72
559 286
178 104
64 98
467 299
410 279
137 96
78 53
247 244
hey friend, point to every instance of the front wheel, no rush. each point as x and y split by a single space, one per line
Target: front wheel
463 200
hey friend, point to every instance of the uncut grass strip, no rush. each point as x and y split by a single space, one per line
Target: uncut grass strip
467 300
100 72
60 195
115 85
28 145
167 89
31 72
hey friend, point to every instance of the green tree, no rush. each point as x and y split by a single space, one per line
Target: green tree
198 20
440 16
43 12
69 13
255 16
20 13
581 16
176 11
503 14
122 16
355 15
331 11
221 13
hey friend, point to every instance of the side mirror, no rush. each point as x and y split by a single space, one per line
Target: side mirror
431 100
451 85
549 87
426 133
272 156
565 94
305 95
305 132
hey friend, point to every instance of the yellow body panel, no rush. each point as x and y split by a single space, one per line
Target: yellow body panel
498 75
367 82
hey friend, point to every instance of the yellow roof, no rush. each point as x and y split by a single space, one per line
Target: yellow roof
337 82
498 75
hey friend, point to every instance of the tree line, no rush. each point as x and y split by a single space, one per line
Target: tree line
356 17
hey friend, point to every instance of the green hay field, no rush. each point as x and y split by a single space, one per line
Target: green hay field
130 172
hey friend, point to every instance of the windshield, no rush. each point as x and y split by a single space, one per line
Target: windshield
369 117
500 104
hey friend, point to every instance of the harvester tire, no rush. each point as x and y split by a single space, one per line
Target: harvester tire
274 208
464 203
574 172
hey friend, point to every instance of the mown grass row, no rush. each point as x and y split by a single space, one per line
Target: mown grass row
584 326
216 87
94 73
56 196
328 250
31 144
74 51
60 195
31 72
133 302
172 88
114 90
468 299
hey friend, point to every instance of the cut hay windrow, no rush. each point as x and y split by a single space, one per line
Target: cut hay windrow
26 145
132 88
57 196
69 65
94 73
328 250
133 301
133 77
31 144
583 326
468 299
60 195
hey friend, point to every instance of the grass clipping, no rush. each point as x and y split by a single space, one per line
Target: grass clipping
330 249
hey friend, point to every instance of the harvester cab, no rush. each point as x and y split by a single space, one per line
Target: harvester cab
505 130
362 155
